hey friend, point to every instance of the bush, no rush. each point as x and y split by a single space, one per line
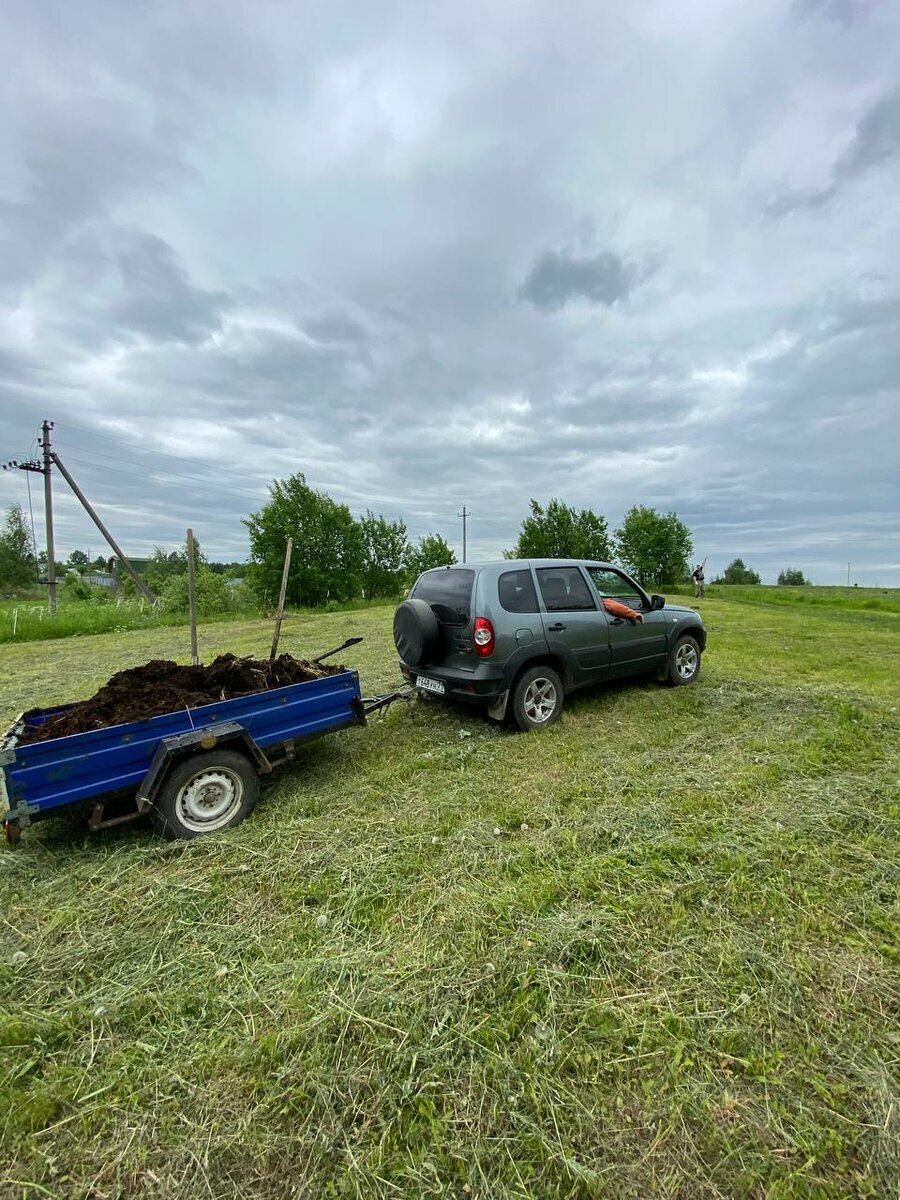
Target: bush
791 577
73 587
212 594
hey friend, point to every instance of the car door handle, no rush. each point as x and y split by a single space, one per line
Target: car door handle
557 628
617 621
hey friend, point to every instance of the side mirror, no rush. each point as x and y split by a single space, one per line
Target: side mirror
657 601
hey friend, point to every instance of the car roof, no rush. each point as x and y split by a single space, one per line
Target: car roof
513 564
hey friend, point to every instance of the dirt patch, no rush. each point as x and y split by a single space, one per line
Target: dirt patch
161 687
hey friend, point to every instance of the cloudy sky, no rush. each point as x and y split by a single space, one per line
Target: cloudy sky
445 254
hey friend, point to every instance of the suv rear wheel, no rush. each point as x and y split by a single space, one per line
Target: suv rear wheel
537 698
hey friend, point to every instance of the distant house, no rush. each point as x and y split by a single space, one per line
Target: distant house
117 567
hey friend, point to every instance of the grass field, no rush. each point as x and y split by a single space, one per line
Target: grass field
653 952
834 599
29 621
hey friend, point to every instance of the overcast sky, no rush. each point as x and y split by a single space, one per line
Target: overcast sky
470 253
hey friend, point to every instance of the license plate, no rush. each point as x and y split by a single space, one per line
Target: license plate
430 685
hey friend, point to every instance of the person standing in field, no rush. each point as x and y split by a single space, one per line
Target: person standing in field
698 577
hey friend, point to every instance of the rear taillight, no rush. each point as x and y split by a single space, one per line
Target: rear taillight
483 637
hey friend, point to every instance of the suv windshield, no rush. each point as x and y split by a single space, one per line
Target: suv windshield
449 592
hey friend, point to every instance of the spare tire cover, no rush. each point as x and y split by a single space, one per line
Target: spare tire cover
417 635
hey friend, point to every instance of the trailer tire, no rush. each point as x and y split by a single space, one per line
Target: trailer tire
206 793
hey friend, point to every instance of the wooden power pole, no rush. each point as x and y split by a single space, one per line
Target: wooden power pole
465 513
48 513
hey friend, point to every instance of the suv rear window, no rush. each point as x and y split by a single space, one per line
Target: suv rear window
449 592
516 592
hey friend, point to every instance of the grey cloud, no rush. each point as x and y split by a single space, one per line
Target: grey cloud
844 12
115 283
80 159
332 327
875 140
558 277
264 242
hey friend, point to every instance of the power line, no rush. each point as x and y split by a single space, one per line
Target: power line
37 569
147 450
159 470
196 480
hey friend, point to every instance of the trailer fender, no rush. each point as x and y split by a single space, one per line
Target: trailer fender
173 749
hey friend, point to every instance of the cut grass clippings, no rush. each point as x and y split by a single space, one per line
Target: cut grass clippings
652 951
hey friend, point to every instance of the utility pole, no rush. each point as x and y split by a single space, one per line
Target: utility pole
48 514
848 574
45 470
465 513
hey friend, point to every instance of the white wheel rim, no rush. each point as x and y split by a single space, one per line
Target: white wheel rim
686 660
539 701
209 799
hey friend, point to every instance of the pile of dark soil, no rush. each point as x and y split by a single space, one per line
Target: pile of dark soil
162 686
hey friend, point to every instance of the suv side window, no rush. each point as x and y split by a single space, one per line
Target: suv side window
616 586
564 590
516 592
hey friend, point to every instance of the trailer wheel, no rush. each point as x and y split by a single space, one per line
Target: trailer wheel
205 793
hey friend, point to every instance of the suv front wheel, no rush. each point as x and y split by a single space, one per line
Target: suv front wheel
684 662
537 698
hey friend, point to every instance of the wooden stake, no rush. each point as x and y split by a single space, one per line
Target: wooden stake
280 613
192 598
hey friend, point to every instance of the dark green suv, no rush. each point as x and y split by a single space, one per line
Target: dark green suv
517 636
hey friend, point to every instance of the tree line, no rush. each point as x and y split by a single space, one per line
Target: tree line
737 571
653 547
339 557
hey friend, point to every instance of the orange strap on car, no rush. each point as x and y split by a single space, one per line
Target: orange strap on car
617 609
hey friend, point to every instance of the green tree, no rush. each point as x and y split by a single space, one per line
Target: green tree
384 550
429 552
61 567
327 560
791 577
737 572
18 564
653 546
559 531
230 570
78 561
164 564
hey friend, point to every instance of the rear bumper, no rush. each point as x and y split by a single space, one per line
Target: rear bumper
484 686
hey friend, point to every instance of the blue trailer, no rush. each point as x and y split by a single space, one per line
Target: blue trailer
194 771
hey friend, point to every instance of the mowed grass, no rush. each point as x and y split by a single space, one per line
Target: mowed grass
652 952
835 599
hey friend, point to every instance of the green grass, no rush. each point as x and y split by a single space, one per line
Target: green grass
653 952
29 620
834 599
